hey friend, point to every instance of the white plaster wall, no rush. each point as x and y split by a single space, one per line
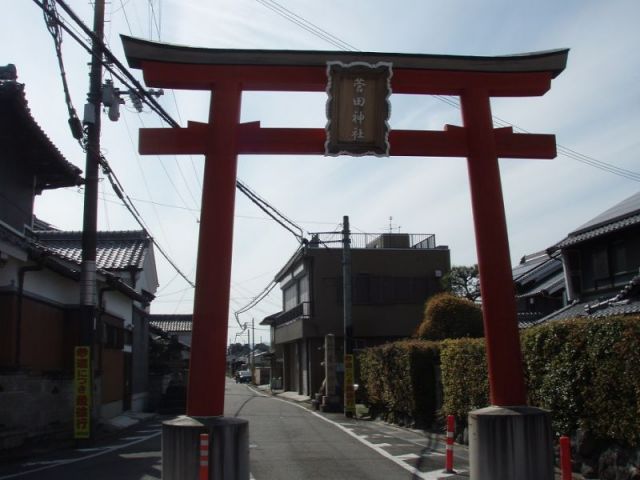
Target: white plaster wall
149 277
118 305
52 286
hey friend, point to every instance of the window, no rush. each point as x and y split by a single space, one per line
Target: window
303 289
618 257
290 297
600 262
385 290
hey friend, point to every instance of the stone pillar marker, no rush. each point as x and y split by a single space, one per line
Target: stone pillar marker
330 401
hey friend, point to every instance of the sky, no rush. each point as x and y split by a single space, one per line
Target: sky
593 108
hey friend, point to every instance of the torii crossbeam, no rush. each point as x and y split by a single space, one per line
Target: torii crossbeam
227 73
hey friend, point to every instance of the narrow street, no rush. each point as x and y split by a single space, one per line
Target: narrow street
287 441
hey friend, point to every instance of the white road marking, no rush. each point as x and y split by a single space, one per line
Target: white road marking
432 475
80 459
408 456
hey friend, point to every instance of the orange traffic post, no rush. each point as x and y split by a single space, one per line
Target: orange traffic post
204 457
565 458
451 427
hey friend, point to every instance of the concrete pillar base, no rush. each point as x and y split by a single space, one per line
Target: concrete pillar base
228 448
507 443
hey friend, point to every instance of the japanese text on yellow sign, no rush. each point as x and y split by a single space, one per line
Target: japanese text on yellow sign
82 404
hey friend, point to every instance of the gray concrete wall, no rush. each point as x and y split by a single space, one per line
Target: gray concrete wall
37 405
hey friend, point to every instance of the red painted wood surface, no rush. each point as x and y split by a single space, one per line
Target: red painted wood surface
205 396
502 339
223 138
253 140
314 79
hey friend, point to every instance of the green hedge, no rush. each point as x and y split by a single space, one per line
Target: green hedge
587 372
400 381
465 383
448 316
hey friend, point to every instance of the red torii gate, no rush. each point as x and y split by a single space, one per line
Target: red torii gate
227 73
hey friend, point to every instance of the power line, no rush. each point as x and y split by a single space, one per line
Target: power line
336 41
306 24
274 213
117 188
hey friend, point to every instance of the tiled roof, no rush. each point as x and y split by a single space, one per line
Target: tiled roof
20 133
172 323
550 286
116 250
13 238
626 302
538 273
46 257
611 227
39 224
622 215
528 319
625 208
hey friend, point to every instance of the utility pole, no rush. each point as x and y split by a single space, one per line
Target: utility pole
349 394
253 345
90 215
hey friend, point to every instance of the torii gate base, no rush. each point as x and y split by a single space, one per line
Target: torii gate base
510 441
228 448
507 443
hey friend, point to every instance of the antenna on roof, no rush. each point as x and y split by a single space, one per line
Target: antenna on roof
391 227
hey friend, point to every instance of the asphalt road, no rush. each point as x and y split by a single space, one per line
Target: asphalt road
287 442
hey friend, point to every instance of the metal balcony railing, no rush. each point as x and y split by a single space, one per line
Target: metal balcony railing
302 310
375 240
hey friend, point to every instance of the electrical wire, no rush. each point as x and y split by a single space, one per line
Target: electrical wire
274 213
52 20
306 25
117 188
336 41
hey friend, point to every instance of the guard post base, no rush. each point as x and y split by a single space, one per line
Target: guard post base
508 443
228 448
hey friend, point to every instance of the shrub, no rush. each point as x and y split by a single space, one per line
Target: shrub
584 370
465 383
400 380
586 373
448 316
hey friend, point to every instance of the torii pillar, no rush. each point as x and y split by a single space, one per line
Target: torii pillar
509 439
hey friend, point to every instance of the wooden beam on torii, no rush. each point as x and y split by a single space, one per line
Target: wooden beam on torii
227 73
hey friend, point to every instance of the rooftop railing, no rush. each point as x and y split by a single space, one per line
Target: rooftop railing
374 240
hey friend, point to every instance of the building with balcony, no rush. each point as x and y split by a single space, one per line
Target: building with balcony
393 274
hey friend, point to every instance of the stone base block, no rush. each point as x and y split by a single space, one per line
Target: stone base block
509 443
228 448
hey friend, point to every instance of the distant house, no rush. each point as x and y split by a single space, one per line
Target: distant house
40 291
601 264
126 279
539 284
392 276
176 326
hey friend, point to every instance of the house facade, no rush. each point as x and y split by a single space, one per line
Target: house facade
40 292
601 263
392 276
